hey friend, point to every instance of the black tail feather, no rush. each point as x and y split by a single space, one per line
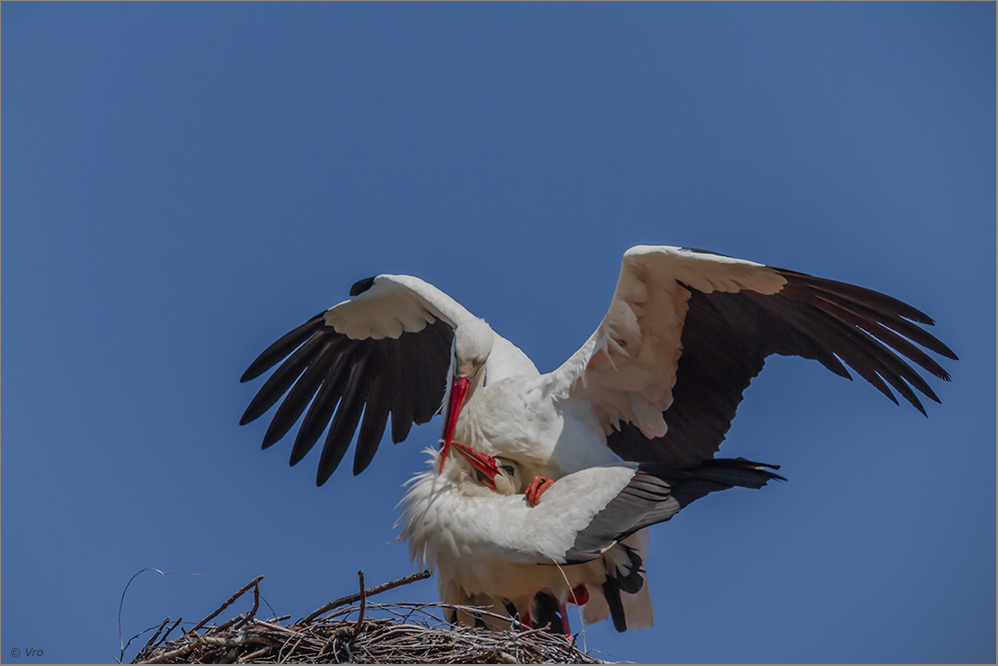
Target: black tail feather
611 592
692 483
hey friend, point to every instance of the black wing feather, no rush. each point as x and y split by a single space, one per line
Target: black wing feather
726 338
323 406
344 422
337 378
402 418
372 428
282 379
300 394
284 346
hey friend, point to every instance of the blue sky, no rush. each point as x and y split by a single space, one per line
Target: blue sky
183 183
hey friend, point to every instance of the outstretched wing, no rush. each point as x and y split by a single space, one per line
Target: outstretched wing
687 330
386 350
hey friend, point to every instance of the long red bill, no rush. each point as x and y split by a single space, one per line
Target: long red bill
458 392
482 462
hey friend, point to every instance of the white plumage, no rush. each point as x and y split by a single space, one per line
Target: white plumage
494 547
658 382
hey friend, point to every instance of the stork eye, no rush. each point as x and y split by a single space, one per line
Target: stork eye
508 469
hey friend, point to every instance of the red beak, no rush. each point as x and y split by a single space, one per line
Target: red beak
482 462
458 392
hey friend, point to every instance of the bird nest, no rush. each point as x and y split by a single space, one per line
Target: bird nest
377 634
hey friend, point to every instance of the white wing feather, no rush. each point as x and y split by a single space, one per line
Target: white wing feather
394 304
627 368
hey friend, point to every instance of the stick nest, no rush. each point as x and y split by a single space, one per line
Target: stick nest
404 633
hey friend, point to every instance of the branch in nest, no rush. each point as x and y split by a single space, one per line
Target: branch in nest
363 602
399 638
253 583
370 592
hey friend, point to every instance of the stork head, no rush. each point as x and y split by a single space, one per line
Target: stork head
508 482
501 475
471 349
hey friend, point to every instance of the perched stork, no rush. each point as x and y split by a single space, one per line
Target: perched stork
657 382
580 542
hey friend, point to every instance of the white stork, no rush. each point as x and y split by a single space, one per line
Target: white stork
582 542
659 381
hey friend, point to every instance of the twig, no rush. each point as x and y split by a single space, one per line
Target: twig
377 589
339 634
121 602
154 636
256 605
228 623
281 659
275 627
231 600
170 630
363 604
129 642
253 655
173 654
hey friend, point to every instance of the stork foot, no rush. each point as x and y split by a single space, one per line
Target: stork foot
536 488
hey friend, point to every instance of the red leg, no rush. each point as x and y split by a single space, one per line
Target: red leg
579 595
536 488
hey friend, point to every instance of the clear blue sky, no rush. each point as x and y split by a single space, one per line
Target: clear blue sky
183 183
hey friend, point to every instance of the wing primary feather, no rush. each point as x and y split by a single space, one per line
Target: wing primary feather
857 358
829 333
284 346
891 368
790 329
872 360
401 425
891 339
874 299
889 330
300 394
402 411
281 380
344 422
323 405
372 428
763 324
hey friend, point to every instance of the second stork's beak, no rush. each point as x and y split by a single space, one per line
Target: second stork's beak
458 393
482 463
